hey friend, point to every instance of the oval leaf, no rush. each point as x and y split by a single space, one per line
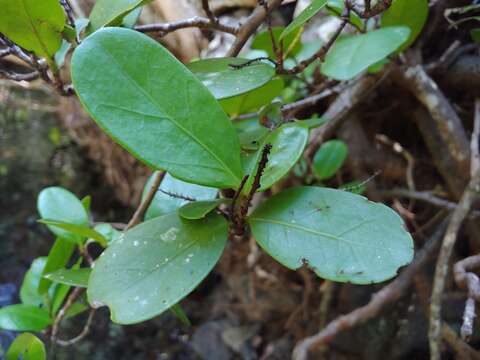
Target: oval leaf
29 294
26 347
56 203
72 277
154 107
309 12
353 54
24 318
112 12
34 25
224 81
329 158
198 209
341 236
174 193
410 13
156 264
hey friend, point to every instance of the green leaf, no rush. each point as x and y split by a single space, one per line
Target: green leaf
223 81
155 265
329 158
83 231
159 102
62 53
410 13
353 54
341 236
72 277
87 202
198 209
75 309
291 42
56 203
336 8
309 12
163 203
251 133
253 100
288 143
108 231
131 19
26 347
34 25
59 295
29 294
111 12
58 257
180 314
475 35
22 317
80 25
314 122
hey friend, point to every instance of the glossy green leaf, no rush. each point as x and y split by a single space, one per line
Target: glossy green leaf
155 265
56 203
58 258
288 143
165 201
161 113
291 42
329 158
26 347
223 81
336 8
353 54
309 12
253 100
59 295
108 231
29 294
112 12
23 317
87 202
82 231
251 133
314 122
72 277
410 13
131 19
34 25
198 209
341 236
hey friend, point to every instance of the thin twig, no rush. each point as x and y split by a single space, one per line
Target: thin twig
208 11
68 11
83 333
140 212
10 75
474 142
63 311
177 196
196 21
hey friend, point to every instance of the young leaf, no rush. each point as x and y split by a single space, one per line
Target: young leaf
314 122
131 19
58 257
410 13
159 102
353 54
309 12
82 231
34 25
341 236
22 317
251 133
155 265
329 158
223 81
56 203
108 232
87 202
163 203
198 209
336 8
111 12
29 294
180 314
291 42
72 277
26 347
62 53
288 142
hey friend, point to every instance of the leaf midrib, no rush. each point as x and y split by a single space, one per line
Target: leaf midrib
34 29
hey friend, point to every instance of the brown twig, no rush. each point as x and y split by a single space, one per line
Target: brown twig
196 21
389 294
68 11
208 11
474 142
63 311
140 212
370 11
10 75
85 331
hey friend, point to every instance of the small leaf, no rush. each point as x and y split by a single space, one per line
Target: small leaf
475 35
223 81
62 53
87 202
291 42
75 309
329 158
336 8
34 25
80 25
111 12
198 142
131 19
56 203
108 231
59 295
155 265
83 231
163 203
351 55
198 209
288 143
26 347
251 133
72 277
341 236
22 317
410 13
180 314
58 257
314 122
309 12
29 294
